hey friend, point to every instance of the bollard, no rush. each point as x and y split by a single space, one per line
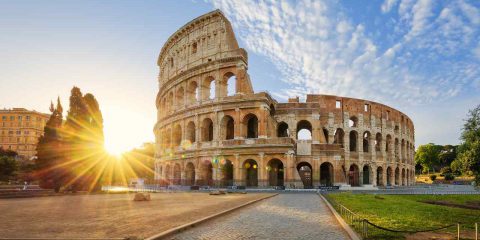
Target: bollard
458 231
476 231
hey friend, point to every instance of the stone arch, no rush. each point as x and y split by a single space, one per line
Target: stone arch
408 177
207 130
378 142
304 130
326 174
353 141
397 176
227 128
190 174
177 174
366 174
209 88
354 176
366 141
193 92
404 180
250 167
388 144
325 134
229 84
380 177
353 122
339 137
250 122
275 169
177 135
227 173
282 130
397 146
168 177
402 150
207 173
179 97
168 138
389 176
170 101
305 171
191 132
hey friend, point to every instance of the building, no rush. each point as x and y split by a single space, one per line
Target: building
20 130
213 129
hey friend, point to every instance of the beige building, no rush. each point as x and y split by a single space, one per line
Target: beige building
20 130
213 129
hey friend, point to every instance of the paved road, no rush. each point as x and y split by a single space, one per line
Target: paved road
286 216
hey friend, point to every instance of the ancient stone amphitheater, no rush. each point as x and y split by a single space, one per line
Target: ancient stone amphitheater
213 129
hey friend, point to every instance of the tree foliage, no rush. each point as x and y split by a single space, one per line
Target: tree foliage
428 155
469 151
8 166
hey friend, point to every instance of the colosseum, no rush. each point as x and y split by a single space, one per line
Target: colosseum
214 130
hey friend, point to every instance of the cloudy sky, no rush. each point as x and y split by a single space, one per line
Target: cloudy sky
421 57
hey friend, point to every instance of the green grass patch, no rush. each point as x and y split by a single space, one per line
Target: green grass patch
408 212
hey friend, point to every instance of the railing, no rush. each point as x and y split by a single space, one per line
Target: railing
368 230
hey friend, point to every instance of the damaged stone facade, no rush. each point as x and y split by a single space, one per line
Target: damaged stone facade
213 129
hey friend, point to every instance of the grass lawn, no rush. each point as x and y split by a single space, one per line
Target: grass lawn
407 212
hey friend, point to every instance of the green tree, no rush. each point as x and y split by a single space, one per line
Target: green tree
447 155
469 151
49 151
8 166
428 156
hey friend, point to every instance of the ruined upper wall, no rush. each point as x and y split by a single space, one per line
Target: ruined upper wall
202 40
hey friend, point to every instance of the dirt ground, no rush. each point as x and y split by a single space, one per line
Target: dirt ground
108 215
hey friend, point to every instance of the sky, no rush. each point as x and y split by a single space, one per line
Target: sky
420 57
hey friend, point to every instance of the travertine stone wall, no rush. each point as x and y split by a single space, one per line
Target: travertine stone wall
212 128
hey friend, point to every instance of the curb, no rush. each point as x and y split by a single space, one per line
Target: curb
352 234
192 224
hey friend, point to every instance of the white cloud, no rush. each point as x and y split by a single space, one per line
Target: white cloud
320 50
388 5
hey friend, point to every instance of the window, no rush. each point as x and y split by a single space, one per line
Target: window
194 48
27 118
365 108
19 132
26 132
4 118
12 118
19 118
387 115
10 132
338 104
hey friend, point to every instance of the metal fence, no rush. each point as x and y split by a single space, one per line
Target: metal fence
368 230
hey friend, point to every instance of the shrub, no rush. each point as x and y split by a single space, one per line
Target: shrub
445 170
433 177
449 177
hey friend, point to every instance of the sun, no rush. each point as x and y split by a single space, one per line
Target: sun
114 149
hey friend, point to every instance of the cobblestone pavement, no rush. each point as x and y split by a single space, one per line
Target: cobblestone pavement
285 216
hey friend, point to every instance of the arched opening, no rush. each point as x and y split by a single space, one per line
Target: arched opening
177 135
326 174
389 176
388 145
228 127
193 92
207 130
170 102
209 88
408 177
189 174
339 137
230 81
397 176
353 122
402 151
179 97
397 146
207 173
168 138
251 173
366 174
191 135
354 176
366 142
378 142
403 177
380 176
177 174
194 48
353 141
275 172
305 171
325 133
282 130
251 126
304 130
168 177
272 110
227 173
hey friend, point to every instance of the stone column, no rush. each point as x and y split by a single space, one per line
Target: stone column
262 128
